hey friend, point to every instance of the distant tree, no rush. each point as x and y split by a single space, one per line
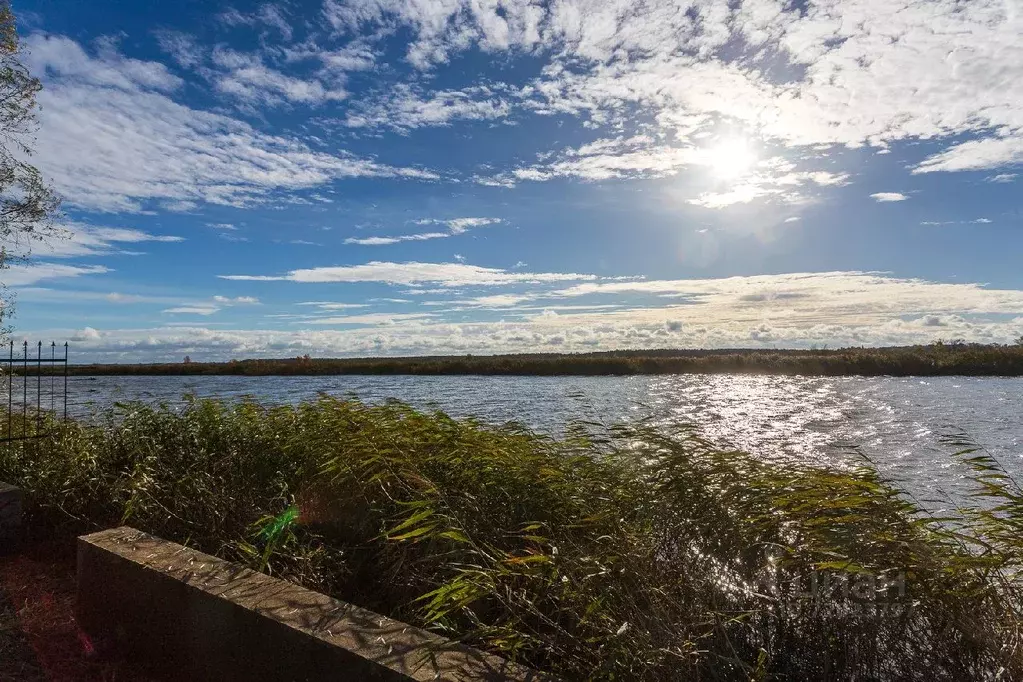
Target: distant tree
187 360
1019 341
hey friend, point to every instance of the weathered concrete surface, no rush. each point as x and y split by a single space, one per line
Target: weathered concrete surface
10 517
198 617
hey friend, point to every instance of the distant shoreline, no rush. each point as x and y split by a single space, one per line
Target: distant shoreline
932 360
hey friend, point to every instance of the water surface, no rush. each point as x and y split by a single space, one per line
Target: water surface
897 422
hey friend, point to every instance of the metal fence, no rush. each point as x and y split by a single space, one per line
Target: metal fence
23 421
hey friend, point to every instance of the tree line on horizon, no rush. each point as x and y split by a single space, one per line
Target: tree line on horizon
939 358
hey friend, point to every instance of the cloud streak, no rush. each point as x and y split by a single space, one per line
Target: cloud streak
161 151
414 273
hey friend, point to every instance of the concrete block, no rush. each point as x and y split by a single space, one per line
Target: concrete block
10 517
192 616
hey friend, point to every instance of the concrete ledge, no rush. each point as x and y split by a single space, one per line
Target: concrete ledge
10 517
193 616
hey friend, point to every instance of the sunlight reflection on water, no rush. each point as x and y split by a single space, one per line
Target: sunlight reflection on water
896 422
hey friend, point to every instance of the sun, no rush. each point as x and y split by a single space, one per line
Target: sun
731 158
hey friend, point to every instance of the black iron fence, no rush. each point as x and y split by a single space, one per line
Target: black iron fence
24 421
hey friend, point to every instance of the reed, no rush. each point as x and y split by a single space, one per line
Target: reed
619 553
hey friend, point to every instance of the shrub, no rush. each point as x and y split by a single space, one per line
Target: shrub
632 553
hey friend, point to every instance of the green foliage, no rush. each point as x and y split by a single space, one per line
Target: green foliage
629 553
941 358
28 204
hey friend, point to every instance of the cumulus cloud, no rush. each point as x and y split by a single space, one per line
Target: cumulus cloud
561 332
852 299
659 79
861 72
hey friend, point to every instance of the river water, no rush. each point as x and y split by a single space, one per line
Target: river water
899 423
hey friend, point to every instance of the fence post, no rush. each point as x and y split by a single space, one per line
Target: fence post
24 389
10 391
39 388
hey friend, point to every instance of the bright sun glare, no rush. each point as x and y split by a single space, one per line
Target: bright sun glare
732 158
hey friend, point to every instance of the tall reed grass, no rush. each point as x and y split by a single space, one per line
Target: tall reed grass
625 554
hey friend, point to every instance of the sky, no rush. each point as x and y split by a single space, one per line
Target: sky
410 177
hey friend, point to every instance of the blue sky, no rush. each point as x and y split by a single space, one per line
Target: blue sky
383 177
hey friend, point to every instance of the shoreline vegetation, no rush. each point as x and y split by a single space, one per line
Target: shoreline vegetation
622 553
937 359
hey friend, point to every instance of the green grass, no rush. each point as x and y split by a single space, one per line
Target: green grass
954 358
624 554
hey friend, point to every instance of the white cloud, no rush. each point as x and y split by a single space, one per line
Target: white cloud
839 298
193 310
27 274
741 194
442 274
268 16
782 186
1003 178
887 197
87 334
245 77
383 241
160 150
606 160
404 108
983 154
562 332
328 305
64 295
238 300
370 319
850 73
80 239
222 226
459 225
496 300
455 226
